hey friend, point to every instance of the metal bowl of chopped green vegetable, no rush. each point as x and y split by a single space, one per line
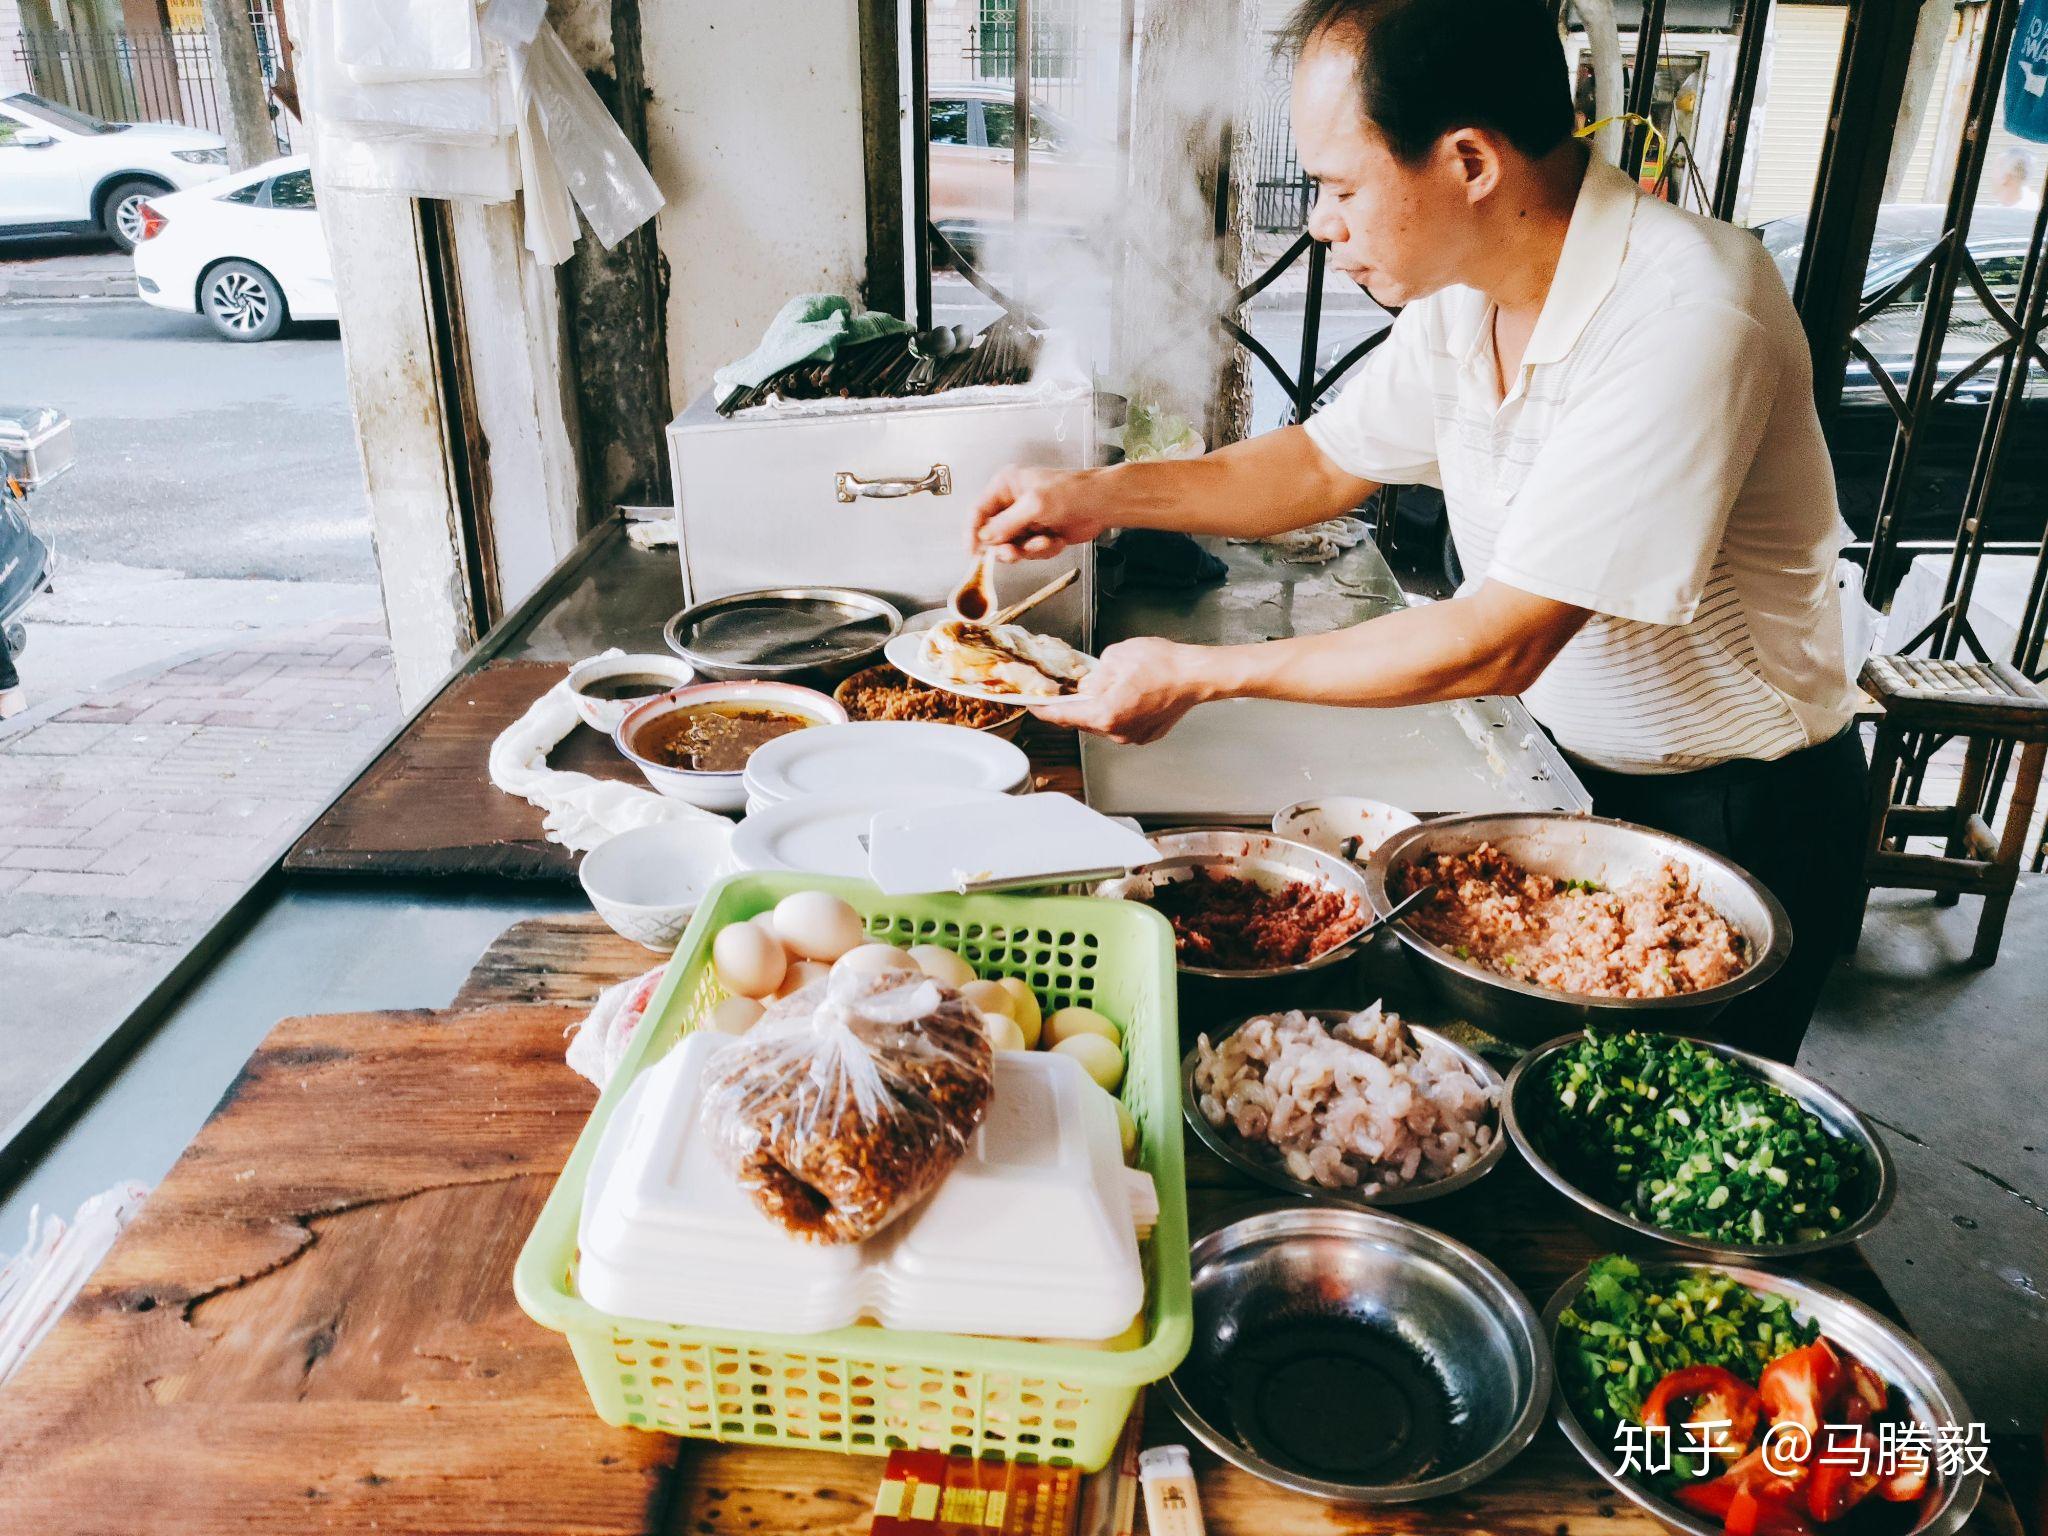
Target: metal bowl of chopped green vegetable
1698 1144
1618 1325
1594 851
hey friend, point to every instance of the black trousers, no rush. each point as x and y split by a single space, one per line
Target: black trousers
1797 825
8 678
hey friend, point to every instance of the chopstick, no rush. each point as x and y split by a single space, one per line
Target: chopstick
1052 588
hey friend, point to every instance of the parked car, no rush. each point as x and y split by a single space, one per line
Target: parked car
973 129
246 252
35 448
1860 436
63 171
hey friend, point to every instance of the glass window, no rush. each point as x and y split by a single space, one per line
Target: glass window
2001 275
248 196
10 130
999 120
32 106
294 189
949 122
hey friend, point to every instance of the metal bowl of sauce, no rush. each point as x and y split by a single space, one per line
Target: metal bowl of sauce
693 743
1358 1357
812 634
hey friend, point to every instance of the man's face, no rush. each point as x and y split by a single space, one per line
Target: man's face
1399 231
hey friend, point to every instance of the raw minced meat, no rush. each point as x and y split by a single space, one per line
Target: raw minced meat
1654 936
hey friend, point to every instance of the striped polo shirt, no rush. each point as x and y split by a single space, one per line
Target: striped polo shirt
1657 461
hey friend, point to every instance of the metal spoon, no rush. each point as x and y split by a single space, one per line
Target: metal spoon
975 598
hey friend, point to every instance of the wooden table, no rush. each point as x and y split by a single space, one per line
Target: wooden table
311 1326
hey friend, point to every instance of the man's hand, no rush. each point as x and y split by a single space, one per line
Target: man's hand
1033 514
1137 692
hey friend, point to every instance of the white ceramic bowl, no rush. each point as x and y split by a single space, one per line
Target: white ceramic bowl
605 714
1348 826
715 791
646 881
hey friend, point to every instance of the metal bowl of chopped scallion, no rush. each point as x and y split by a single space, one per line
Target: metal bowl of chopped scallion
1699 1144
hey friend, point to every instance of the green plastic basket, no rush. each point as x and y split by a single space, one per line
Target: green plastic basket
869 1390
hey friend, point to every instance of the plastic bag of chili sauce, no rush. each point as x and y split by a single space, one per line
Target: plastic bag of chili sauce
849 1100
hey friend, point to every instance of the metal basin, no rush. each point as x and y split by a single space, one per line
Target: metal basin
1921 1389
1358 1357
1266 861
1267 1170
1579 848
783 634
1523 1110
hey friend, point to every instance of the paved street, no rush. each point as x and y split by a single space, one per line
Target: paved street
210 668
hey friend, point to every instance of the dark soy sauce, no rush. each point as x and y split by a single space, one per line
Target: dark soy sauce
626 685
1339 1399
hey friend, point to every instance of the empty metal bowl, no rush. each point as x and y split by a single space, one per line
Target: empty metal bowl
1263 859
1570 847
783 634
1358 1357
1267 1168
1921 1390
1525 1109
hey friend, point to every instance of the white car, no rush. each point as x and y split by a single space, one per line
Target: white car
245 251
66 172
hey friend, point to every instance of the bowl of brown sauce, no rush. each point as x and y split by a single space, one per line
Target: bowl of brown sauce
693 743
605 687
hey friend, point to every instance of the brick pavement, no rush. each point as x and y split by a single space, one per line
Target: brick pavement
130 819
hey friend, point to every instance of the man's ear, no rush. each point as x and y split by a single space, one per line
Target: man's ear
1473 158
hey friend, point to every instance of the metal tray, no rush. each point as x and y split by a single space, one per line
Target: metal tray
780 632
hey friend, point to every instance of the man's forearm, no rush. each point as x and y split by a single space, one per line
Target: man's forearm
1448 650
1250 490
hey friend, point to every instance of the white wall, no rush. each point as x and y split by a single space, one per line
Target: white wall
754 133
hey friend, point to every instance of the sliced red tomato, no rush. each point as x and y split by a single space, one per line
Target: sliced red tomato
1838 1486
1801 1385
1750 1500
1707 1394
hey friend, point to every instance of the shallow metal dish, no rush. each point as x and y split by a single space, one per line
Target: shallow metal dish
1929 1397
1301 1263
1521 1113
1579 848
1247 1160
1267 861
783 637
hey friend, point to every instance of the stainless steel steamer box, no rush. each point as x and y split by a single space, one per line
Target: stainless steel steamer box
875 497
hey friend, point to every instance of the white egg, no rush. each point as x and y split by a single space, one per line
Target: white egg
1069 1022
817 925
991 997
1098 1056
748 960
1027 1013
942 965
733 1016
801 974
1126 1129
872 959
1003 1033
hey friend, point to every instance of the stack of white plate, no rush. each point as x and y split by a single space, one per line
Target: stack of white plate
811 794
1029 1236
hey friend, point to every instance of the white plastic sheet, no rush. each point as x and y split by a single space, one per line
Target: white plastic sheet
379 41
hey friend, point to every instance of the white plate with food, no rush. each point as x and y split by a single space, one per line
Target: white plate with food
1004 664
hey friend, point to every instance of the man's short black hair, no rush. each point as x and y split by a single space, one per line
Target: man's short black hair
1428 66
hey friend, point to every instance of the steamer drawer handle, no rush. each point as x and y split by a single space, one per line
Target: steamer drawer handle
939 481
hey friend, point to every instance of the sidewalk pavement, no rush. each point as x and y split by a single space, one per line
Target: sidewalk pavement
129 820
65 269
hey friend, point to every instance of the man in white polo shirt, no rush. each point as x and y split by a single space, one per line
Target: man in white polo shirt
1615 399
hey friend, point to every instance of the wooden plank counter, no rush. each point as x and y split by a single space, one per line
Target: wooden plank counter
311 1326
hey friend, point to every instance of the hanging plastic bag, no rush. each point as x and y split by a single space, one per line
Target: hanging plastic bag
594 157
850 1100
378 41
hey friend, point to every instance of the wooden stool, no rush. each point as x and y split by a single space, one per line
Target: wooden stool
1988 703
